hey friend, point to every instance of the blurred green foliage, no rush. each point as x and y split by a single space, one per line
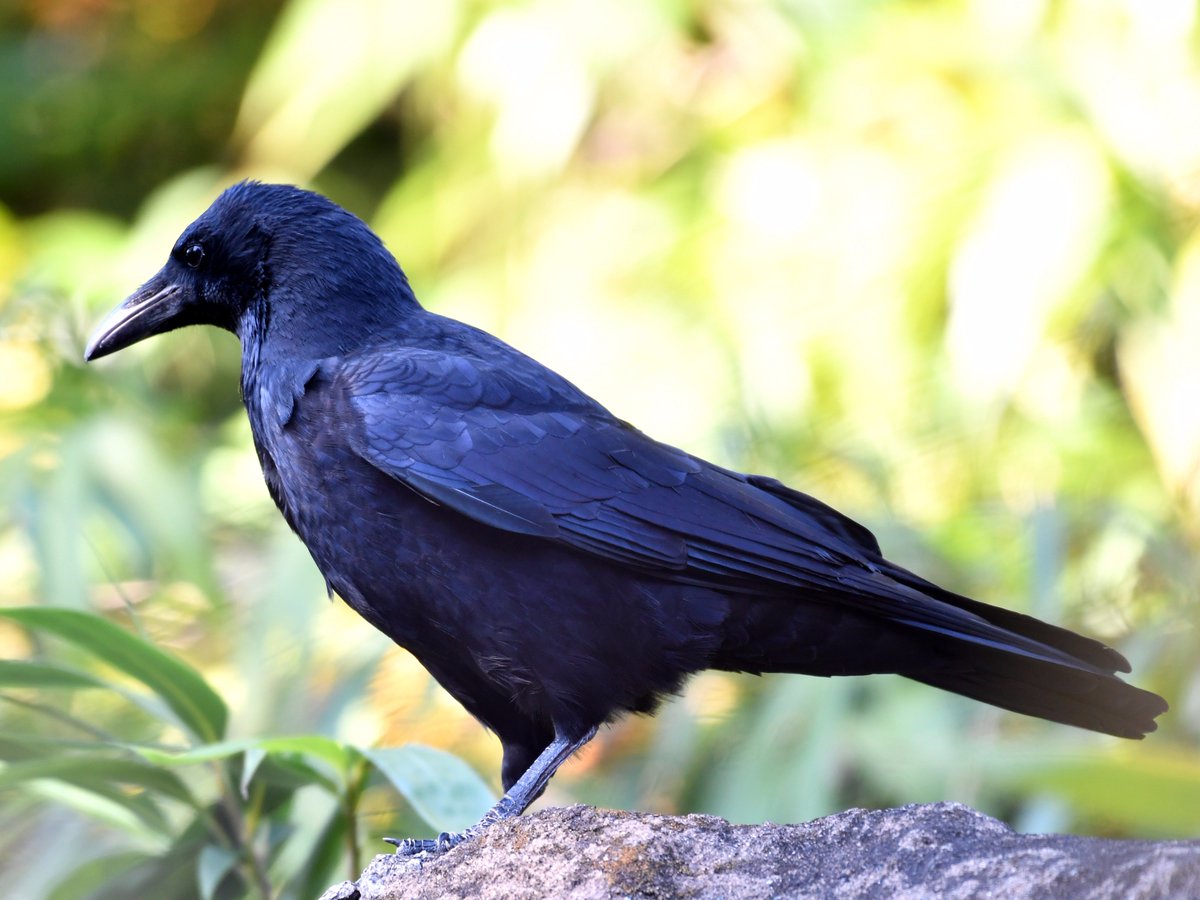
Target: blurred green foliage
935 263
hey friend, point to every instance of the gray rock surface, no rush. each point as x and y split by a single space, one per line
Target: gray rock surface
941 850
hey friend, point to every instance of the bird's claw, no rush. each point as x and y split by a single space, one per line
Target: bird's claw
448 840
416 846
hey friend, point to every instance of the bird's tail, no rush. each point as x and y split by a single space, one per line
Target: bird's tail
1054 691
1020 663
886 619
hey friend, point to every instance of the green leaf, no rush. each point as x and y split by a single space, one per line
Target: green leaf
181 687
109 806
212 867
323 748
442 789
26 746
23 673
91 771
37 761
82 881
201 754
1153 790
291 752
337 754
281 770
313 851
323 860
253 759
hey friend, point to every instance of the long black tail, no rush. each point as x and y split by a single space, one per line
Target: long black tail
886 619
1028 666
1049 691
878 617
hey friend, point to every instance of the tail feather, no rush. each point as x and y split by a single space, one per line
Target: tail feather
1046 690
1082 648
1020 663
889 620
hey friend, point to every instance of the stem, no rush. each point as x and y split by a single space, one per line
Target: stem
354 788
126 600
256 872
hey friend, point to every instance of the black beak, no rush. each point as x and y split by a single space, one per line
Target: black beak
155 307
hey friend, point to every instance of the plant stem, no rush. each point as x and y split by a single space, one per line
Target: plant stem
230 802
354 788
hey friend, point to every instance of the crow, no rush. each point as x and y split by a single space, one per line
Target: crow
550 565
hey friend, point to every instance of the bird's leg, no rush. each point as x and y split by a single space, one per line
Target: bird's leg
514 802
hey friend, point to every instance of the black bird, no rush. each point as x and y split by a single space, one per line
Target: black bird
549 564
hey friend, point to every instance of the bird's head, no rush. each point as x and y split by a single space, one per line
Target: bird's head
273 264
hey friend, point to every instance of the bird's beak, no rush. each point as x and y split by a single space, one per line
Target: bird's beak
153 308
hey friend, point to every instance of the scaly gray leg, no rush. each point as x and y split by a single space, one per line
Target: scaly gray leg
513 803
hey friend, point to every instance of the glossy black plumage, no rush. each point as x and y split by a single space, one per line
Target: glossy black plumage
548 563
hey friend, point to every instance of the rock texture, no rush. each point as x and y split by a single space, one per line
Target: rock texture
943 850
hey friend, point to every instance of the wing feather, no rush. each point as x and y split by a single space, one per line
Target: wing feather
518 449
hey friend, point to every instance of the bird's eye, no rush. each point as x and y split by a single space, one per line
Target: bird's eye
194 255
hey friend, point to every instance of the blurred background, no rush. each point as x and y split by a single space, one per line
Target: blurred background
936 263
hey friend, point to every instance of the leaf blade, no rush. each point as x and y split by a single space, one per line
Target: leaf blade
442 789
20 673
197 706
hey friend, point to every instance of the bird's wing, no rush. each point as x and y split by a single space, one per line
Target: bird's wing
511 445
506 442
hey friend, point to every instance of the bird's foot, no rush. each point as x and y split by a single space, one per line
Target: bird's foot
448 840
513 803
416 846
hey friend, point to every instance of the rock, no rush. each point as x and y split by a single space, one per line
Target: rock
941 850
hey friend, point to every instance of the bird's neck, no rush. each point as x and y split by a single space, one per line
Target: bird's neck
316 321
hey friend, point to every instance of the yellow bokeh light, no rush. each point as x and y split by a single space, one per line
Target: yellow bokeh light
25 376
